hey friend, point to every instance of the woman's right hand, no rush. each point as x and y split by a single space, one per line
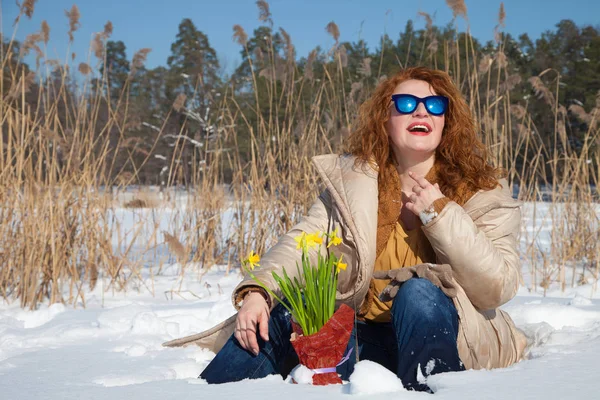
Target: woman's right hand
253 314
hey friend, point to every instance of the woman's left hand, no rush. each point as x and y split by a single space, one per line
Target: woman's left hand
423 194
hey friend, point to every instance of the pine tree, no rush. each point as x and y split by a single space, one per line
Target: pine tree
260 51
385 61
193 73
407 46
193 66
116 69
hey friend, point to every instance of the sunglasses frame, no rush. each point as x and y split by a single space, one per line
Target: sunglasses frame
420 100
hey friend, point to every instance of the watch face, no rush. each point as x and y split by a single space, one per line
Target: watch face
427 215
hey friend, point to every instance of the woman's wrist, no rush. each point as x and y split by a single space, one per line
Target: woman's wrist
431 212
439 204
241 295
427 215
259 291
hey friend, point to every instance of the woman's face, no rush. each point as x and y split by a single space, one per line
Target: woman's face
418 134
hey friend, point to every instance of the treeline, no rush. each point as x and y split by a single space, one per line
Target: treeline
165 124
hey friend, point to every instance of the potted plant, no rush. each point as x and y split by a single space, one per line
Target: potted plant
320 333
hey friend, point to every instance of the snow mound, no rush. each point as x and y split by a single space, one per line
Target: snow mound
579 300
371 378
556 315
33 319
148 323
120 318
302 375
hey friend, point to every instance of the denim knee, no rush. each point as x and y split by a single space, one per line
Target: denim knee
422 300
280 322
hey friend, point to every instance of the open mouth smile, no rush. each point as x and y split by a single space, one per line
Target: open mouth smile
419 128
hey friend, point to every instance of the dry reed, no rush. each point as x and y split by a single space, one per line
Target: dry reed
59 233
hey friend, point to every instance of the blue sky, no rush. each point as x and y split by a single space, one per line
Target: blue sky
153 23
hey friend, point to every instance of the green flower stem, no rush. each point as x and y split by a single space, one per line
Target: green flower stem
310 296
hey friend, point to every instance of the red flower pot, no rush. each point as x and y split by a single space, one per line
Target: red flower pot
325 349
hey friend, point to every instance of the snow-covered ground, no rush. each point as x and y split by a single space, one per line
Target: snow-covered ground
112 348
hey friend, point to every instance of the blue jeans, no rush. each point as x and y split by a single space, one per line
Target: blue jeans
422 333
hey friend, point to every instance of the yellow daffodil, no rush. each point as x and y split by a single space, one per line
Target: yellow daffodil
313 240
340 266
252 260
334 239
300 240
308 241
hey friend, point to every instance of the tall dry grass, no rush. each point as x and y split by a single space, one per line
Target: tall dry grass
59 235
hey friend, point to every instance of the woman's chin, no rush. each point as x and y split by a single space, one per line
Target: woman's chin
419 148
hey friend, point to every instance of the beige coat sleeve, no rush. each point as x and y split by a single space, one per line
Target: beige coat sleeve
483 253
284 253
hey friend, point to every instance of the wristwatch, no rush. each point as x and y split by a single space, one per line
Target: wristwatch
428 214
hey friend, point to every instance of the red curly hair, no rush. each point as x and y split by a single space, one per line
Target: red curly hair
461 159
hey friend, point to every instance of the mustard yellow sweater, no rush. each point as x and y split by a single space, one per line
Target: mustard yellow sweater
403 249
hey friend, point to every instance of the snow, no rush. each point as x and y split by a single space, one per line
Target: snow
371 378
112 349
302 375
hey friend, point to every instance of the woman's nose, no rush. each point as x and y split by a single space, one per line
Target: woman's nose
421 110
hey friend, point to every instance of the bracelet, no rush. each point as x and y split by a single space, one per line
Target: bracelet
428 214
262 292
259 291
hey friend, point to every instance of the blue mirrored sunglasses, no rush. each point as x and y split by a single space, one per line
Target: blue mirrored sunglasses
407 103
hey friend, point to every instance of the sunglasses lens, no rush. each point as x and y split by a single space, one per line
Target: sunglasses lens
406 104
435 105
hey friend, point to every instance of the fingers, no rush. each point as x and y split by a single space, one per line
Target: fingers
417 190
411 207
263 323
238 335
423 194
251 337
424 183
241 335
254 312
245 333
248 336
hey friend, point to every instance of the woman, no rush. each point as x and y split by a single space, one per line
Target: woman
417 204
